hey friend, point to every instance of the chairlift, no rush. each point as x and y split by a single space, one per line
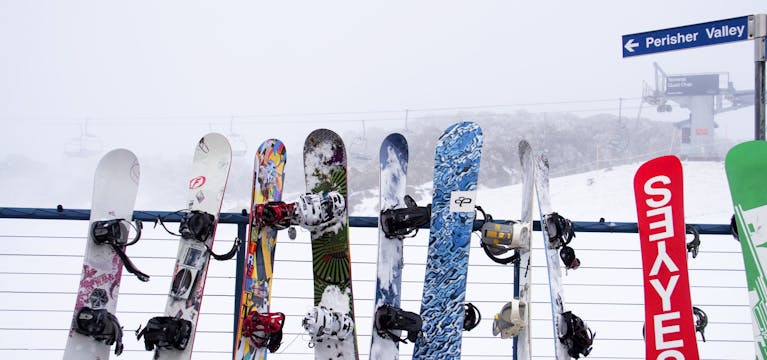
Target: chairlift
406 129
85 145
359 146
236 141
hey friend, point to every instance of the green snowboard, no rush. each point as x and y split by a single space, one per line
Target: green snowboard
746 166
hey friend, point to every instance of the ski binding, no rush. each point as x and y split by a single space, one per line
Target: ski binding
512 319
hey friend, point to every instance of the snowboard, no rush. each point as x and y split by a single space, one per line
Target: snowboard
556 291
456 170
324 171
393 158
746 167
115 186
210 171
523 274
670 326
268 176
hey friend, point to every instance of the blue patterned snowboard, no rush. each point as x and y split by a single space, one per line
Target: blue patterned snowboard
393 157
456 169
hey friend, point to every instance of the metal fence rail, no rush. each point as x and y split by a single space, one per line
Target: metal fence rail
606 291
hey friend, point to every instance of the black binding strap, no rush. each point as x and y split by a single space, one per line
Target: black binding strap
561 233
165 332
578 337
110 232
199 225
701 321
694 244
405 222
388 318
101 325
472 316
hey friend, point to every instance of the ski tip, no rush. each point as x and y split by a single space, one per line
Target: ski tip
524 147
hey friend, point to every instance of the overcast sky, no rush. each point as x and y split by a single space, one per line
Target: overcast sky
126 60
154 76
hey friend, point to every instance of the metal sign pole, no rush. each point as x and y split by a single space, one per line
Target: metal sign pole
760 53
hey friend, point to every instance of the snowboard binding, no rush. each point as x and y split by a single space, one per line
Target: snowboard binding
694 244
324 324
101 325
498 239
278 215
115 234
701 321
264 330
199 226
471 316
389 318
316 210
165 332
734 228
577 336
405 222
560 231
512 319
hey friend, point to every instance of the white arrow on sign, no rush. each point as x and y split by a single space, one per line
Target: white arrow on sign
630 45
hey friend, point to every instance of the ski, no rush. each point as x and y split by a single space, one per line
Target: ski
746 166
523 269
330 323
571 336
388 318
513 321
456 170
258 331
172 336
94 328
658 189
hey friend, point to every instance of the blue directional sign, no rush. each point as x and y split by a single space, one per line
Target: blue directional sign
683 37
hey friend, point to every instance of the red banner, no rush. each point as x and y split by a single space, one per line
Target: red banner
669 324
